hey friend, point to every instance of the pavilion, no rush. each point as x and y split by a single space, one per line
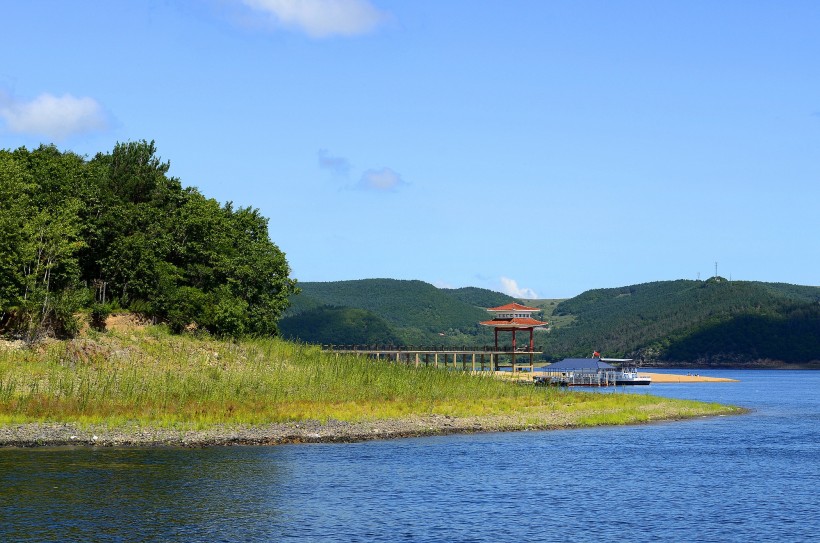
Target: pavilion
514 317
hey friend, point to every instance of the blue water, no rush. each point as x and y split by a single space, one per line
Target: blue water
748 478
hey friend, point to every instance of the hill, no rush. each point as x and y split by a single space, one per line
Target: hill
701 323
716 323
389 311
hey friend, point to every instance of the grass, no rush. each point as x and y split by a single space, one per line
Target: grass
151 378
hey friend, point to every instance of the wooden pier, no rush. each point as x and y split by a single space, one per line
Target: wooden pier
489 359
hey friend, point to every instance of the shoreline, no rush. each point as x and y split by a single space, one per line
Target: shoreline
50 435
657 378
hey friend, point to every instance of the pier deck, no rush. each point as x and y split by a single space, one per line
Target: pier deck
459 359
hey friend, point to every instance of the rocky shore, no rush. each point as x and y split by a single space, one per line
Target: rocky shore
58 435
62 435
333 431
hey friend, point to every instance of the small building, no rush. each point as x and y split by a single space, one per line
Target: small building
513 318
591 372
578 372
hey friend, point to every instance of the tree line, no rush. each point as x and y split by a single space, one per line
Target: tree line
115 231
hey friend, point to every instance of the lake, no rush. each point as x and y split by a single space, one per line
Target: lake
753 477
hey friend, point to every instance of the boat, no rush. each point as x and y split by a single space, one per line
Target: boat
627 375
632 377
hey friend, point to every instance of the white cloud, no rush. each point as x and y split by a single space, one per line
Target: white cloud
322 18
384 179
53 116
510 287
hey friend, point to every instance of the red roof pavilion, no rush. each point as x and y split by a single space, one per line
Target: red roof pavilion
511 318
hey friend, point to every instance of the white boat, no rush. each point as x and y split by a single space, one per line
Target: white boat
627 375
632 377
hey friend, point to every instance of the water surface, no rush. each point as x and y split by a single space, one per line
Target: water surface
747 478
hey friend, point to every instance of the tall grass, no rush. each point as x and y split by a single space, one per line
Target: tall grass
151 377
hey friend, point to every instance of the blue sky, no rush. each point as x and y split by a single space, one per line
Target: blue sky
541 148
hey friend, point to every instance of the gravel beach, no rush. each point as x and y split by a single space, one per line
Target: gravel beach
333 431
60 435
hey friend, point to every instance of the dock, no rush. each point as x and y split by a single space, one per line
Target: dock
487 359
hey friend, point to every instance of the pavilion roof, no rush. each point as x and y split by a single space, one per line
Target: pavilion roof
515 306
514 323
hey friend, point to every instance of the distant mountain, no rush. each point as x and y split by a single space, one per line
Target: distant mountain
715 323
406 312
330 325
479 297
704 323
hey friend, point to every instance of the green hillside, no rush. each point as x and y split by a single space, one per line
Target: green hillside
714 322
339 326
478 297
405 312
700 323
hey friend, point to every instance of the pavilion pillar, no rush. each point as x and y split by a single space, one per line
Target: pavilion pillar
496 338
513 351
532 345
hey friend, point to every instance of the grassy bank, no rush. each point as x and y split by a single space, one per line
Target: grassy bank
147 377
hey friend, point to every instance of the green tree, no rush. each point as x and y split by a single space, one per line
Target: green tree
15 188
41 235
69 225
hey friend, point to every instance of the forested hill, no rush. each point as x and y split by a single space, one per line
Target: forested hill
703 323
389 311
698 323
116 231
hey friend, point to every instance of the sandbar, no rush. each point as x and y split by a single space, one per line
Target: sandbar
679 378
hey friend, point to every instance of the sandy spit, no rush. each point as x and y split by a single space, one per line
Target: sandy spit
678 378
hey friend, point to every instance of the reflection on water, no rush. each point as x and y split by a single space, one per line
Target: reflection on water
747 478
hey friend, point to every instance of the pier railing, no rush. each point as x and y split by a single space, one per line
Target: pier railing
465 358
504 349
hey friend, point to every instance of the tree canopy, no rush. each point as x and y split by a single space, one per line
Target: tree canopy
117 231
